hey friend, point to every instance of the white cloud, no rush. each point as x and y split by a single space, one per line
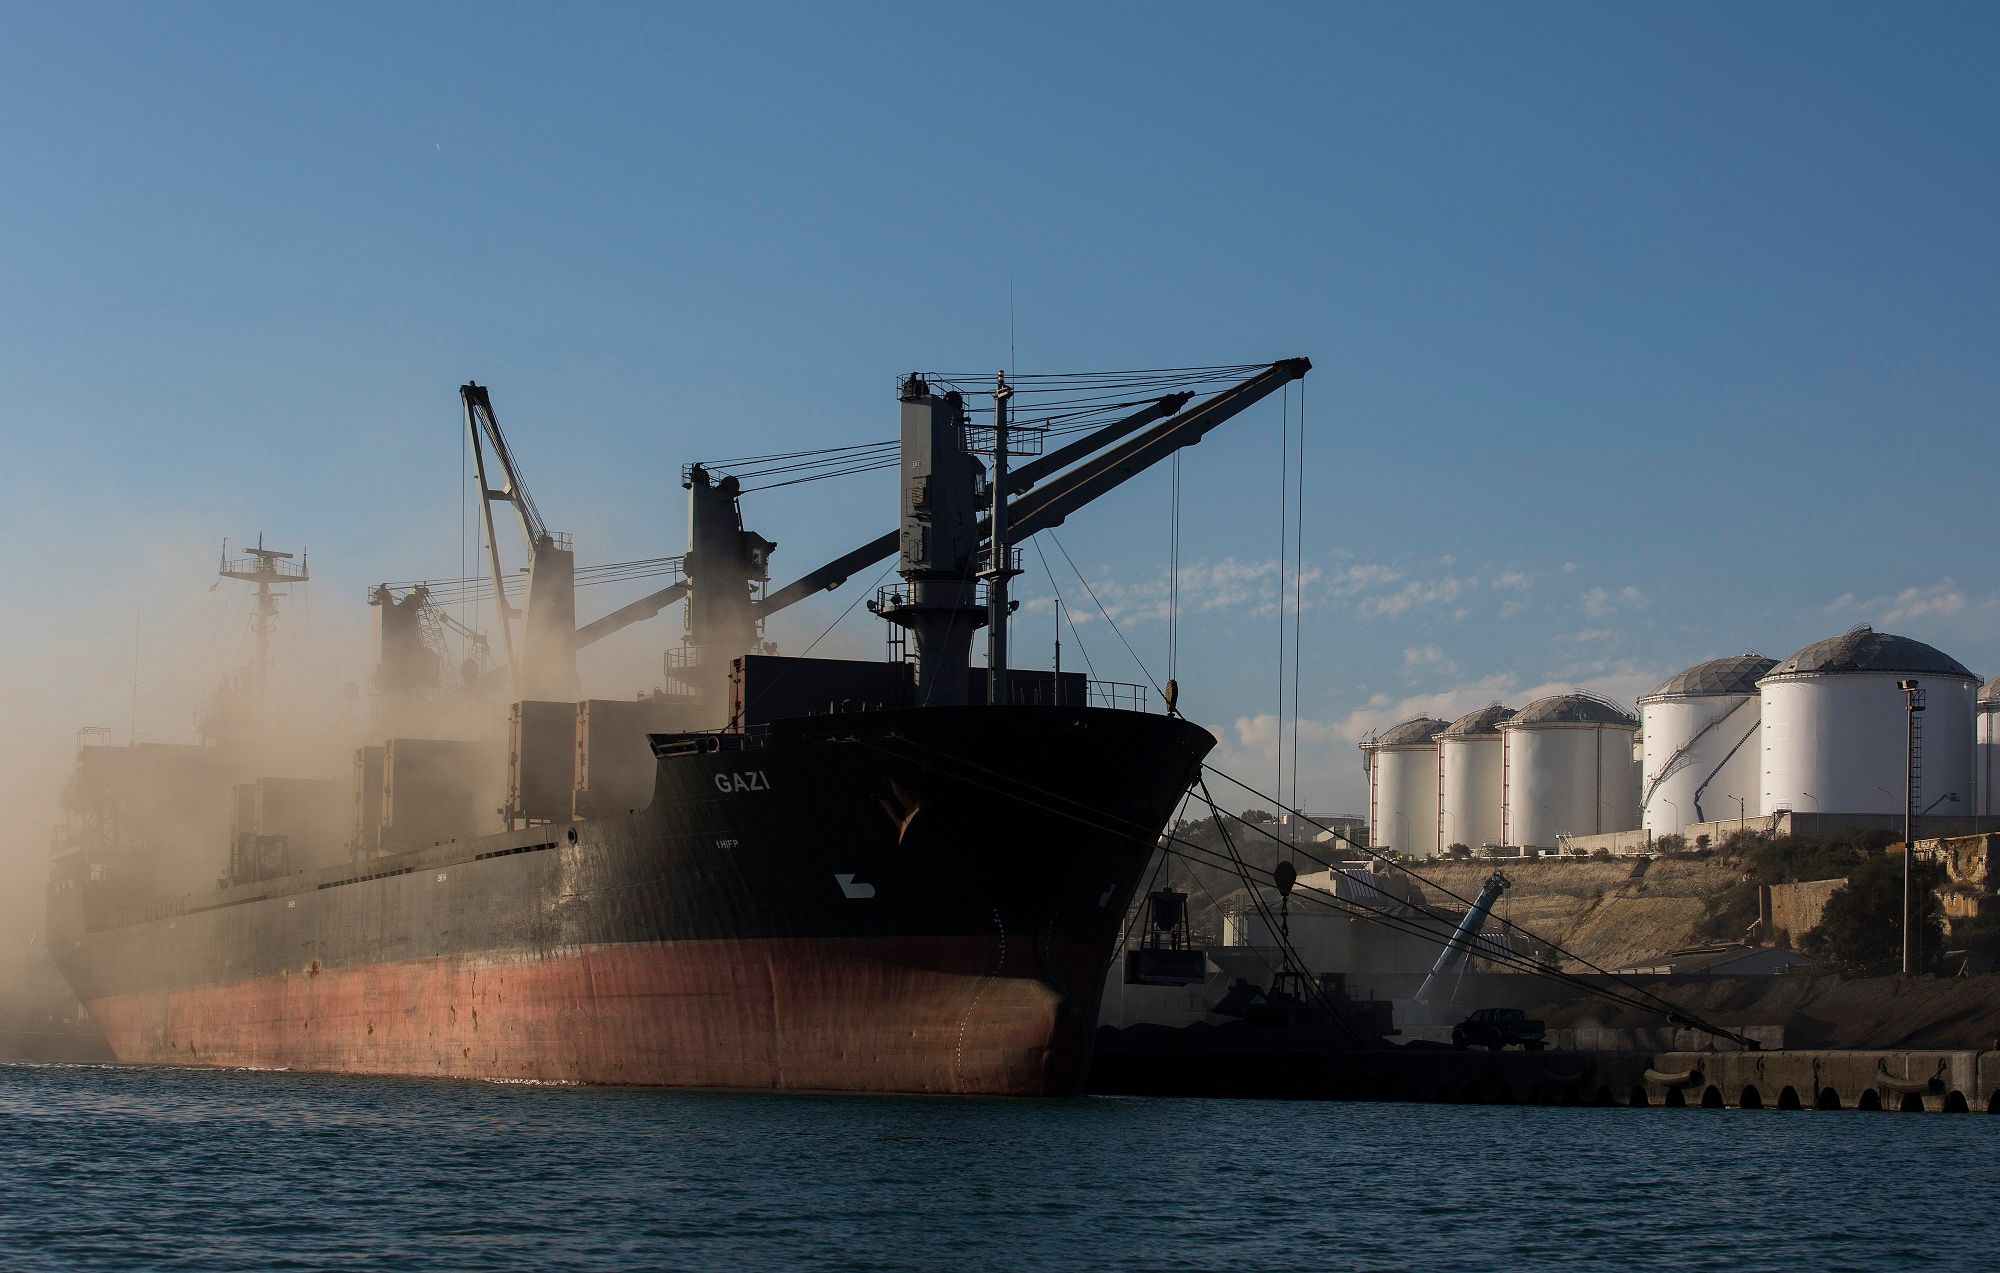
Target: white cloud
1327 756
1226 584
1508 609
1599 602
1353 579
1594 634
1510 579
1428 659
1417 592
1569 567
1937 601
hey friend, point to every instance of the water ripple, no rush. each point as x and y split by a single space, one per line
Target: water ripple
117 1168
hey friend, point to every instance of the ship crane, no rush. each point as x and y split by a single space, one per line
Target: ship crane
544 664
725 559
944 543
725 562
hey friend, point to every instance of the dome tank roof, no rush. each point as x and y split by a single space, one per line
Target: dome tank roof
1484 723
1737 674
1990 692
1416 731
1866 650
1573 709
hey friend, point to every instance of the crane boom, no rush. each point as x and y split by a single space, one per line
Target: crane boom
1025 477
627 615
481 422
1048 507
544 659
843 567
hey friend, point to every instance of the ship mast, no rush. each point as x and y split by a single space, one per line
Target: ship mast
999 558
264 567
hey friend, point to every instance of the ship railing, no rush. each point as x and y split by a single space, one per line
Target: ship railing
894 599
277 571
1011 559
1120 695
681 657
1022 439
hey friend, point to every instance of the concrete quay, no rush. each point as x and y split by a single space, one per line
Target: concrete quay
1949 1082
1144 1063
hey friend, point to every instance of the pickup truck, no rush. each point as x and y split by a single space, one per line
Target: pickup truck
1495 1028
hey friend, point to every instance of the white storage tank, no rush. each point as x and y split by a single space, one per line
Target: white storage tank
1987 753
1569 770
1403 787
1702 758
1471 779
1833 725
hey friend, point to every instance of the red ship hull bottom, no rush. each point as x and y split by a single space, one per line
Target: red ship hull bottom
903 1015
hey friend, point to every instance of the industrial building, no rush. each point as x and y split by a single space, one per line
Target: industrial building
1471 779
1986 751
1562 766
1403 787
1701 754
1729 744
1569 770
1833 728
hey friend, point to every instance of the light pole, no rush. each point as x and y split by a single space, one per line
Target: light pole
1677 813
1913 702
1742 821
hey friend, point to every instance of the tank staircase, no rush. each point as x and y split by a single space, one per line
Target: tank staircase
1680 759
1674 764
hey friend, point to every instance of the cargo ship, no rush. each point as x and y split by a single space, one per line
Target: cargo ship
905 875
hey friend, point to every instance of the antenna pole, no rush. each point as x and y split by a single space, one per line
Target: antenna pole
998 566
132 734
1913 702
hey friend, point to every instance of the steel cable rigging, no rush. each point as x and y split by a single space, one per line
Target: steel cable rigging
1435 930
1057 404
1661 1005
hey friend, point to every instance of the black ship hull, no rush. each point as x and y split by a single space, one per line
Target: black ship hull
921 900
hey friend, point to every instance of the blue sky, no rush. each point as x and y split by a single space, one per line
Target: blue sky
1642 334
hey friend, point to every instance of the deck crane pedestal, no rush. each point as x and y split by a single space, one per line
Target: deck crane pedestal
724 564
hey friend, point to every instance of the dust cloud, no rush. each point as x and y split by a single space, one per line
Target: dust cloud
133 720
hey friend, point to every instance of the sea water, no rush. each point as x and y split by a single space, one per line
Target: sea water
104 1167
